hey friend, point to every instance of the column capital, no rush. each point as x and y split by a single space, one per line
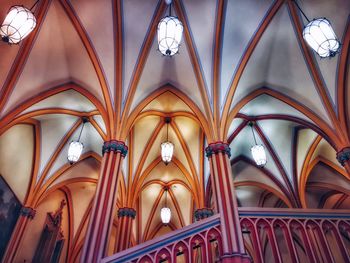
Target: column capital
343 155
115 146
218 147
127 212
27 211
203 213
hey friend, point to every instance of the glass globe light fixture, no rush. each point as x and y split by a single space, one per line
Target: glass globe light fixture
75 148
165 215
169 34
320 36
18 24
259 155
167 148
74 151
165 212
258 150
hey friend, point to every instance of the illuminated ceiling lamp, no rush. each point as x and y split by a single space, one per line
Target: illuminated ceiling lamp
258 150
76 147
320 36
169 33
167 148
18 24
165 212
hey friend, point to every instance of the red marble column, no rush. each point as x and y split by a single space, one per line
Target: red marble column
126 216
101 218
26 214
223 189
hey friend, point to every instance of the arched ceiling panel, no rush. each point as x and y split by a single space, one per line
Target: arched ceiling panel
184 199
280 134
89 168
237 35
136 22
69 99
190 132
82 194
160 70
53 128
278 63
304 141
248 196
338 18
203 42
100 32
92 143
167 102
55 62
326 151
267 105
100 122
16 158
233 126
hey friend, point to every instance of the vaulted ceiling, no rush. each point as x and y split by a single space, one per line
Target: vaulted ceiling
239 61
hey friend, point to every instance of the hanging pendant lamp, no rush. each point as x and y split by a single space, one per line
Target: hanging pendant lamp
167 148
76 147
18 24
165 212
320 36
169 33
258 151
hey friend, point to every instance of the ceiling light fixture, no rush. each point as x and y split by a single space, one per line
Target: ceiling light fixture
76 147
18 24
258 150
167 148
169 33
165 212
320 36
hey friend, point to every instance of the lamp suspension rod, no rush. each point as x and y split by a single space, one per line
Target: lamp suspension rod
301 11
251 126
170 8
166 192
85 120
34 5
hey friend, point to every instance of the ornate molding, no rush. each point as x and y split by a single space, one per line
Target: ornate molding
217 147
202 213
343 155
27 211
115 146
127 211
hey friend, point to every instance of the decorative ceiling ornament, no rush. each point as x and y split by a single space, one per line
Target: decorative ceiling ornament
165 212
76 147
320 36
18 24
167 148
169 33
258 150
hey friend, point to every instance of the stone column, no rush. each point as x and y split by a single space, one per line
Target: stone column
126 215
26 215
103 210
343 157
223 189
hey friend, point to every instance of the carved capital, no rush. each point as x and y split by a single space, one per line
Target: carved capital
115 146
126 211
27 211
343 156
218 147
203 213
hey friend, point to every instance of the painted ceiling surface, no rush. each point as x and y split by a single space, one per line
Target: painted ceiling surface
239 61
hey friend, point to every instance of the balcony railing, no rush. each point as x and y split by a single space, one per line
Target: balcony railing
270 235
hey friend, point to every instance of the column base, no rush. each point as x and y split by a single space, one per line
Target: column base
236 258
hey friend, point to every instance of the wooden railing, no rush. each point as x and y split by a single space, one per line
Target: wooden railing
199 241
270 235
296 235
